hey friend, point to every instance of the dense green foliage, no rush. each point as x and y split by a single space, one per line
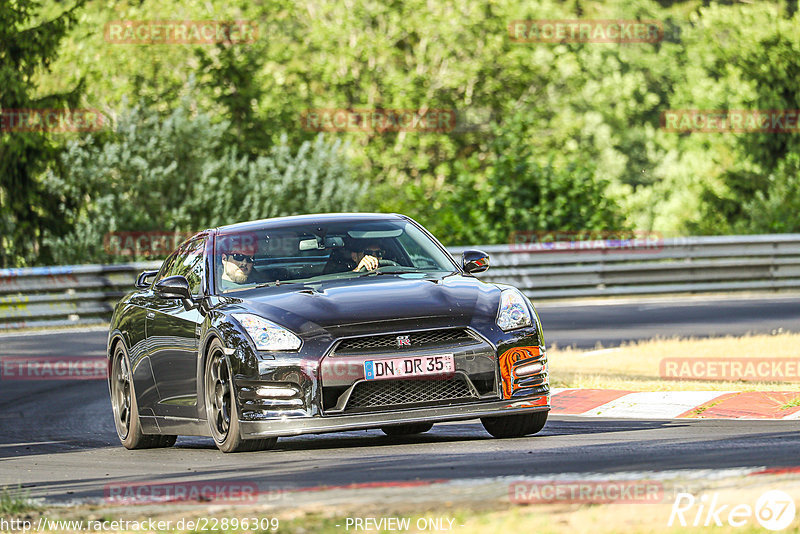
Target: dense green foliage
27 46
515 193
549 136
177 173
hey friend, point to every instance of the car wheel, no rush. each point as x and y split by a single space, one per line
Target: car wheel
515 426
125 409
406 429
221 410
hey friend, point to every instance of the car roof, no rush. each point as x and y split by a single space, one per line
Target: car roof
277 222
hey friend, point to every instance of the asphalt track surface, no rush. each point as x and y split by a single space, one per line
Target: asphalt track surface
57 438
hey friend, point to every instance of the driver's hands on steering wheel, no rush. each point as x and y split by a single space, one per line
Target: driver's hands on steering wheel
369 263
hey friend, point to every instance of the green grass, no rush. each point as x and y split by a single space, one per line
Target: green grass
791 404
14 502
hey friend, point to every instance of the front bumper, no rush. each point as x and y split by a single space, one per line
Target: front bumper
292 426
316 394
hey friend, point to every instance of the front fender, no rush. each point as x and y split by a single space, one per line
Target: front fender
252 368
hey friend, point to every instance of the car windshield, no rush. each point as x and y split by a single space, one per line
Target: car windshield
309 253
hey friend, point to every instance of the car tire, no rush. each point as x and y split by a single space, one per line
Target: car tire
125 408
406 429
515 426
221 410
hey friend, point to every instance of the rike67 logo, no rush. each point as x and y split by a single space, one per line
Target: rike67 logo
774 510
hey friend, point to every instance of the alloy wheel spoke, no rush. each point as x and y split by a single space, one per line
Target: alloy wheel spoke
215 370
227 416
218 394
121 395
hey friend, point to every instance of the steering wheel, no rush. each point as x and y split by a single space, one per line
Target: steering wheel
381 263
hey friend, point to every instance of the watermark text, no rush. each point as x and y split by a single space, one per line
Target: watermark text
731 121
748 369
50 120
585 241
53 368
585 31
586 491
180 31
378 120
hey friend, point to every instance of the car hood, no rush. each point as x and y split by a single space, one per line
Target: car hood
382 302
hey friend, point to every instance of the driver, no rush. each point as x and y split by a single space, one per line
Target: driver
361 256
368 257
237 267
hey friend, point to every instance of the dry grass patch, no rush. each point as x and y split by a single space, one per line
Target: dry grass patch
635 366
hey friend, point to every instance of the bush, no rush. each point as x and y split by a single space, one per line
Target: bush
776 210
512 192
176 174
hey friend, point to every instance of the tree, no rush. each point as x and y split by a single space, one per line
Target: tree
177 173
776 209
749 58
594 108
517 194
26 51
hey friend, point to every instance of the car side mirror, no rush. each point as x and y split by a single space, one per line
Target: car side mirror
173 287
474 261
141 280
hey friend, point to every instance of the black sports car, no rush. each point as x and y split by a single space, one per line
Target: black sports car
321 323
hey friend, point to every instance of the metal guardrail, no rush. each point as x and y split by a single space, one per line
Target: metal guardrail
85 294
675 265
64 295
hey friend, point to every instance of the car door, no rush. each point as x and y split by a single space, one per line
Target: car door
147 396
173 334
139 352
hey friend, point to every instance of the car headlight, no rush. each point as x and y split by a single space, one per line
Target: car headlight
267 335
513 312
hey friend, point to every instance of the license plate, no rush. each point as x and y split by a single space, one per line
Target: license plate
410 366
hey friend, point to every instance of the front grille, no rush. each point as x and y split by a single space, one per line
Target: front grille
417 340
383 393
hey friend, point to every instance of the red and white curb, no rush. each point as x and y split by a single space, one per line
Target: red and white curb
775 405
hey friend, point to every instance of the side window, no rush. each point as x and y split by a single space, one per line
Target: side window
189 263
166 267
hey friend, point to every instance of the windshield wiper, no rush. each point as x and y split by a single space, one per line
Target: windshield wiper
275 283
